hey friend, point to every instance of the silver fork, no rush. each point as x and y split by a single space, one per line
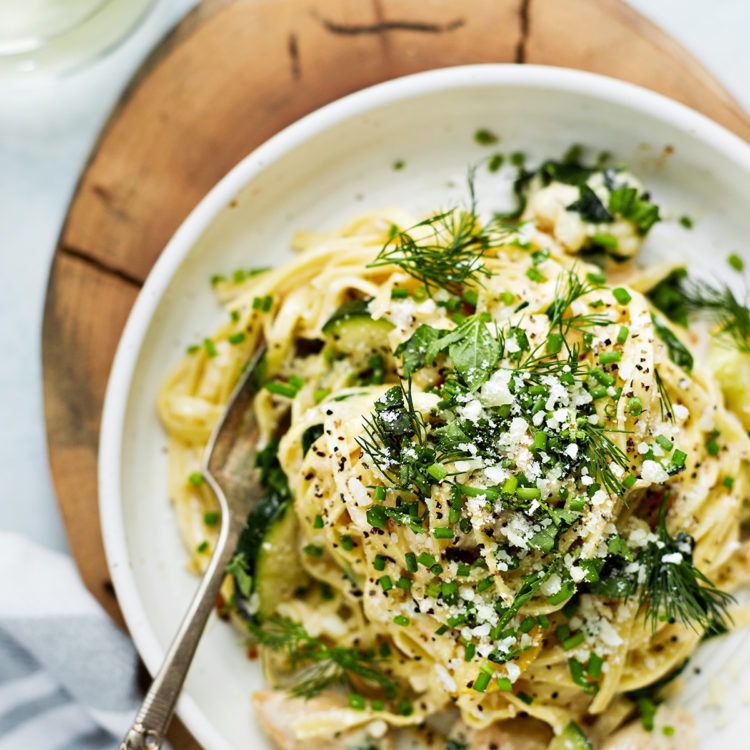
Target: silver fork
228 468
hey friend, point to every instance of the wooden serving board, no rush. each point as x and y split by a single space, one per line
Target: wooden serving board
229 76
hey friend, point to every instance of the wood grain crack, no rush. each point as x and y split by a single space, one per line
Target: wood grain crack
99 265
383 26
524 12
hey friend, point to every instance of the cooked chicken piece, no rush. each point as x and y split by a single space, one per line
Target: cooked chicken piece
513 734
280 716
635 737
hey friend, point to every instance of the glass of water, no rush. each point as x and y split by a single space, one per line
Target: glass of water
51 37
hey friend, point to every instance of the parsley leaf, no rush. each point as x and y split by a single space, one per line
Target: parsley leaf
476 353
415 351
639 210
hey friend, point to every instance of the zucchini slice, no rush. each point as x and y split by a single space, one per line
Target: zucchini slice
352 330
278 572
571 738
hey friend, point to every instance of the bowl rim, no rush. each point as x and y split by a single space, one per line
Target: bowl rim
114 410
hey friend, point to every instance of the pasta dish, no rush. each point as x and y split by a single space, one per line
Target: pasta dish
504 482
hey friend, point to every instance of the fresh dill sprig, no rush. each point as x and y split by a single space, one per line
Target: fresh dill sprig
451 255
665 402
569 288
678 591
316 665
719 304
600 455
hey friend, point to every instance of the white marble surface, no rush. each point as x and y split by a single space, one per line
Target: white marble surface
46 133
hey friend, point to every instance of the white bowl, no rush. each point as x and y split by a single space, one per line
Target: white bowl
315 174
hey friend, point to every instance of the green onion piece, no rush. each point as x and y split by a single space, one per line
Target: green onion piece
193 348
210 518
635 407
196 479
216 278
622 334
603 377
236 338
380 494
567 590
312 550
376 704
357 702
346 542
318 522
510 485
401 620
320 394
578 504
736 262
469 651
411 562
257 303
605 240
594 667
621 295
481 682
554 343
517 158
540 441
267 302
686 222
379 562
404 707
210 348
419 294
728 482
404 583
507 298
664 442
437 471
503 683
629 481
596 278
376 517
280 389
399 164
667 731
463 570
528 493
485 137
426 559
484 584
202 547
608 358
385 583
442 532
712 447
399 293
598 392
525 697
573 641
495 162
470 297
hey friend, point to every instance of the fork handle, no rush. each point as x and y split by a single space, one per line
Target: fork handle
150 726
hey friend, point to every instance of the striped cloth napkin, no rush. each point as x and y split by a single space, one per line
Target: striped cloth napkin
67 673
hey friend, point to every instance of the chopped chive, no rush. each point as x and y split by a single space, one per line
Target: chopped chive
257 303
603 377
238 276
234 315
728 482
376 517
193 348
598 392
437 471
318 522
426 559
736 262
535 275
621 295
525 697
379 562
622 334
320 394
686 222
503 683
605 240
629 481
712 447
442 532
419 294
399 293
401 620
596 278
470 297
433 589
346 542
485 137
528 493
517 158
594 667
267 302
436 569
573 641
495 162
211 518
540 441
376 704
312 550
469 651
196 479
357 702
216 278
678 458
577 505
379 494
210 348
567 590
507 298
481 682
463 570
404 707
384 650
554 343
667 731
385 583
202 547
608 358
280 389
411 562
399 164
484 584
664 442
510 485
236 338
404 583
635 407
